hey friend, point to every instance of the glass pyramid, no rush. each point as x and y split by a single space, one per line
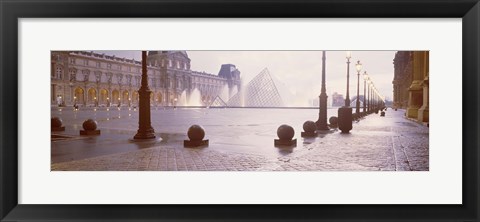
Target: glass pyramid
218 102
261 91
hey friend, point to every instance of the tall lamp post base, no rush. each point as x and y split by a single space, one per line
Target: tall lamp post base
144 135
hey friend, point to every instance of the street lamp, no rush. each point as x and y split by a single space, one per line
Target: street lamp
145 129
347 99
369 82
358 66
373 98
322 114
365 78
345 112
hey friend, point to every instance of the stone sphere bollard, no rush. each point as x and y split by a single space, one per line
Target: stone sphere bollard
90 128
90 125
285 133
309 127
196 133
57 124
333 121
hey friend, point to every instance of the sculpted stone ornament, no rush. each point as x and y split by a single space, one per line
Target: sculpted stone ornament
109 78
196 134
90 128
57 124
309 127
285 133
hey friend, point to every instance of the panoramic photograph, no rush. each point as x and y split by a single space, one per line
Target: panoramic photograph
118 110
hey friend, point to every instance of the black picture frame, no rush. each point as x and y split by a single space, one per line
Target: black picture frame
11 11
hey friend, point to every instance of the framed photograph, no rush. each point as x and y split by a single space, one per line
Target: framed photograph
226 110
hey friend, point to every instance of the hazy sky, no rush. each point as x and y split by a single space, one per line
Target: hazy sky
299 70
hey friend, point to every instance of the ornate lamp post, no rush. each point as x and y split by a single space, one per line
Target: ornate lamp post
365 78
322 116
358 66
347 99
369 82
145 129
345 112
373 98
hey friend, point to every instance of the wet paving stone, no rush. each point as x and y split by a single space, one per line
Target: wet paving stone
390 143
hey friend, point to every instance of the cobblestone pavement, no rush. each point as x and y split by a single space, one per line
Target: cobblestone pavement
391 143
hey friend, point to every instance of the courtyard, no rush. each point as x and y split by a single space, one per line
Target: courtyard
241 139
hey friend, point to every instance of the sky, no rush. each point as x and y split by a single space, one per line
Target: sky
300 71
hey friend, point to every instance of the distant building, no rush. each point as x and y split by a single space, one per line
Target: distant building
410 83
402 79
94 79
337 99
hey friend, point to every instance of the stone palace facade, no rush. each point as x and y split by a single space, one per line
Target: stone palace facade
411 83
92 79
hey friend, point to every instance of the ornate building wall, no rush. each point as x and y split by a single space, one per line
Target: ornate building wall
411 83
93 79
402 78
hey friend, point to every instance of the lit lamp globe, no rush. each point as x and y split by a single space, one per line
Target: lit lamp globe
349 55
358 66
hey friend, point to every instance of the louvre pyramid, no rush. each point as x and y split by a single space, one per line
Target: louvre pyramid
218 102
261 91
